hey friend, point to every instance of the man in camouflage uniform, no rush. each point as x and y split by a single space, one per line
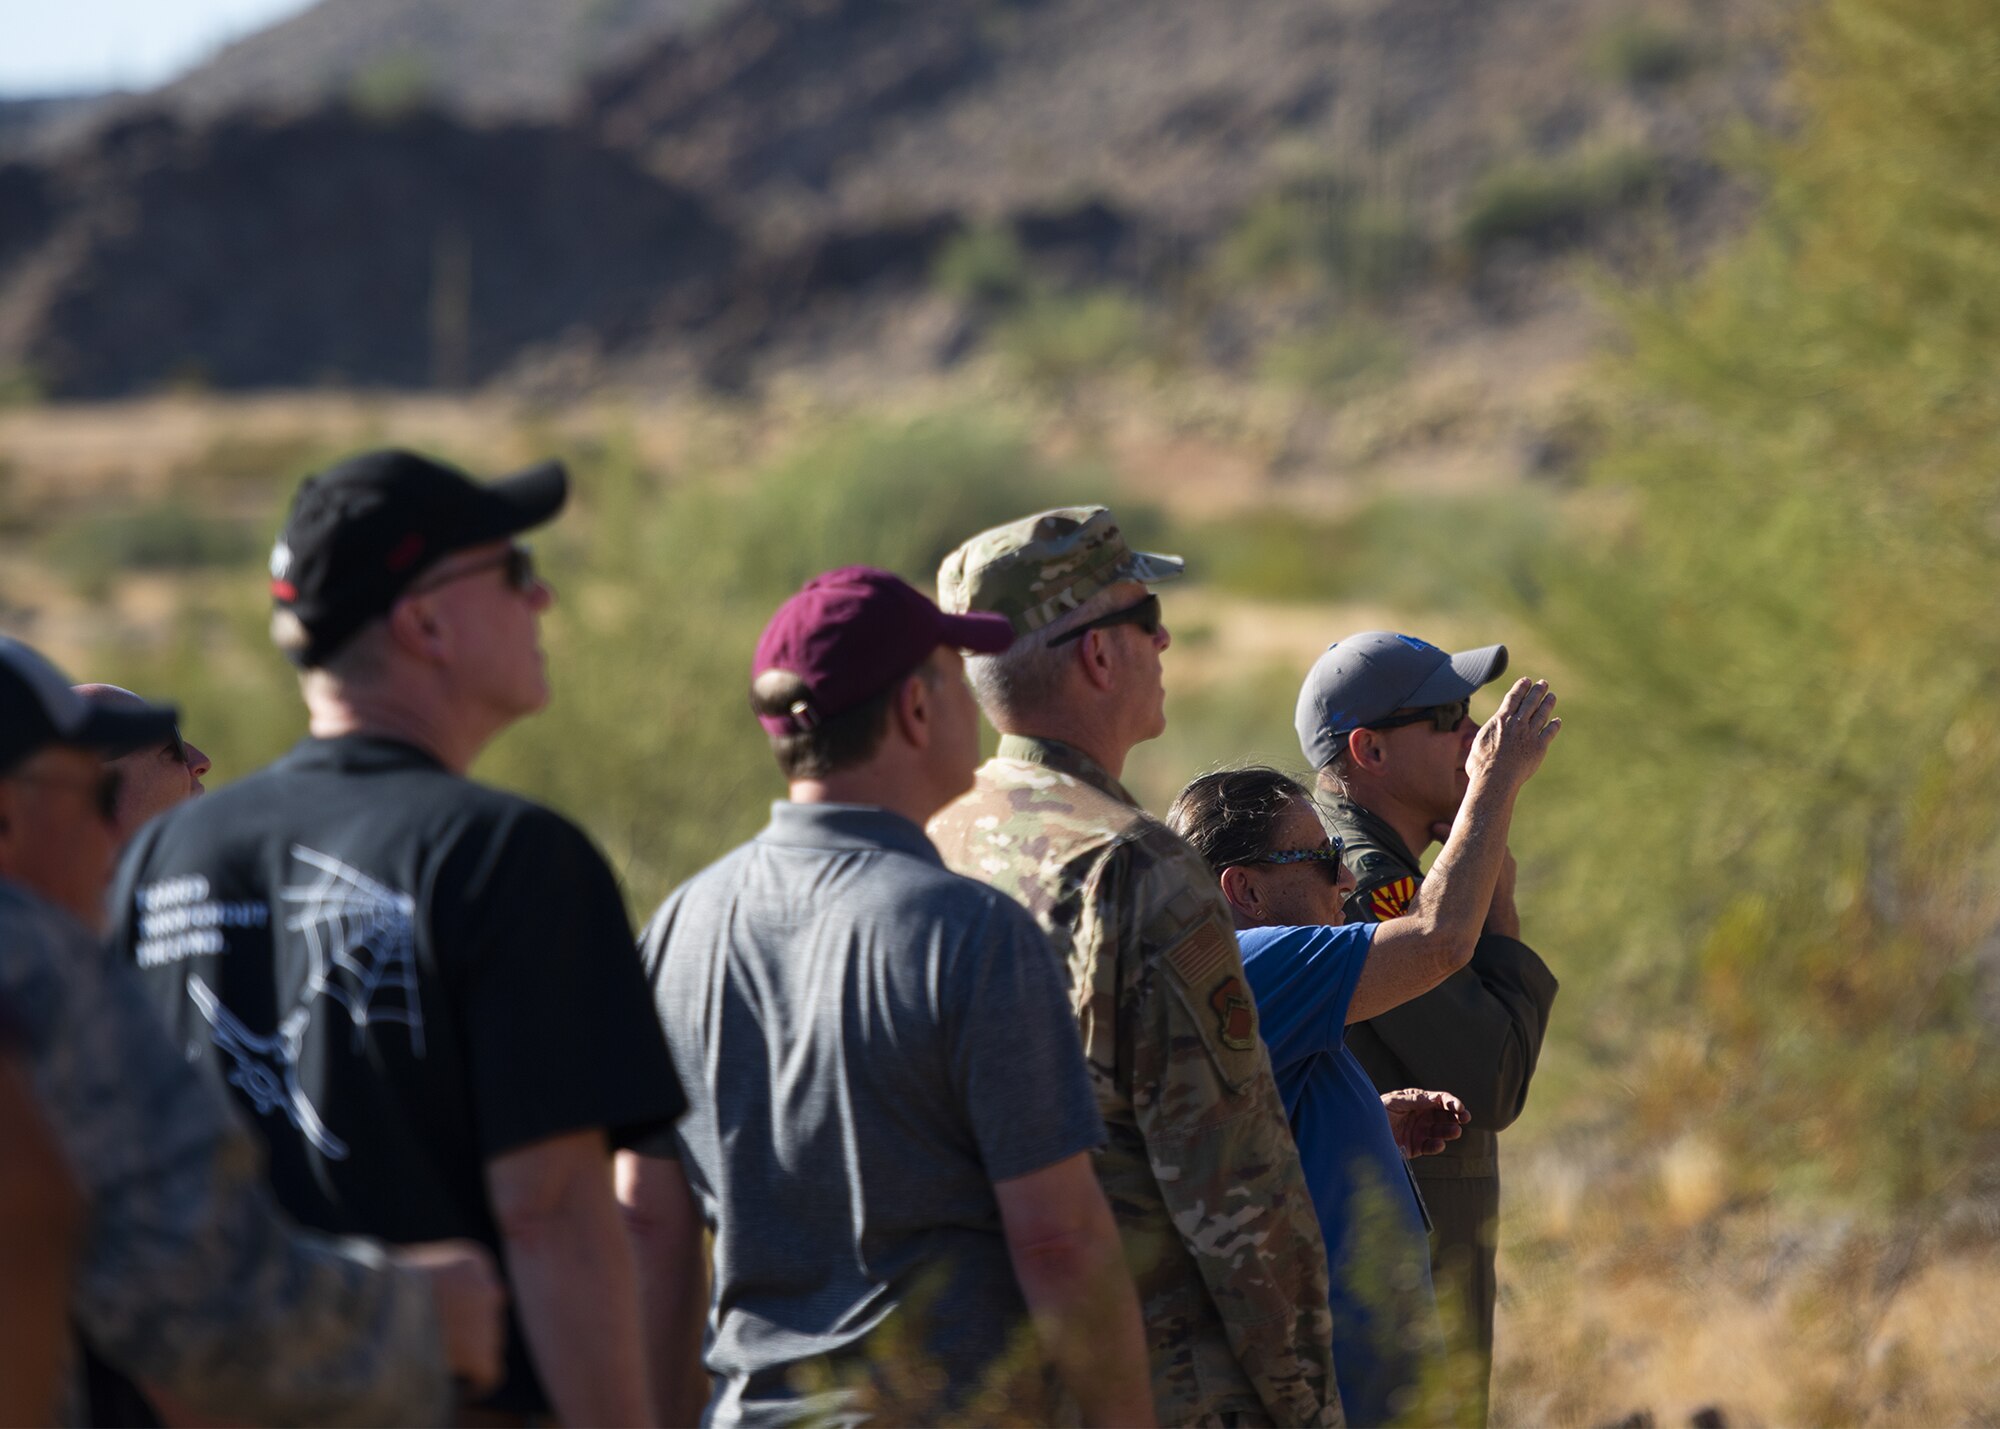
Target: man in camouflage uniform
187 1277
1385 719
1200 1168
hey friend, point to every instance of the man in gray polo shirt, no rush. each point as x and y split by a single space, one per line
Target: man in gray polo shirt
890 1122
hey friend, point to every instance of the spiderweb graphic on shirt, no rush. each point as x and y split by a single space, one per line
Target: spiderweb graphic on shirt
361 943
266 1069
361 951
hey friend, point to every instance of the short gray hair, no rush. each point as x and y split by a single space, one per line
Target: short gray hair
1026 679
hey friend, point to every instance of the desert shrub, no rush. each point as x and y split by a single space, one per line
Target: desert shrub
21 386
1327 228
983 264
275 462
1336 358
1057 340
1548 203
1639 51
390 88
1787 667
169 536
1412 553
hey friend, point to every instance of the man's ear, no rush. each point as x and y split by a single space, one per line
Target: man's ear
1241 891
913 710
1093 656
416 626
1366 750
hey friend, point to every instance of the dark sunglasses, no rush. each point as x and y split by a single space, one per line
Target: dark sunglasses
1144 613
517 569
176 746
1443 718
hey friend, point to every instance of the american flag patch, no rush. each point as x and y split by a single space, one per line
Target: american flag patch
1202 954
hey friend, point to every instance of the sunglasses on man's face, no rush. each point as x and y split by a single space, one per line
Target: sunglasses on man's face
1143 613
517 569
1443 718
176 747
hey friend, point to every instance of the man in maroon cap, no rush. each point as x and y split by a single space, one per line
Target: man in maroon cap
890 1123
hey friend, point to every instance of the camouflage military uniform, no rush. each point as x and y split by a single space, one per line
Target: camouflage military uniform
1477 1035
188 1276
1200 1169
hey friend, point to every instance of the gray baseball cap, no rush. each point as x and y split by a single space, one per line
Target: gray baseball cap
1368 677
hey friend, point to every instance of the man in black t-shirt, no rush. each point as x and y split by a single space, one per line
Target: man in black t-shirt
424 991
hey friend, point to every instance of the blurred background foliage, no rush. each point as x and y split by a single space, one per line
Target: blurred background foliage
1784 857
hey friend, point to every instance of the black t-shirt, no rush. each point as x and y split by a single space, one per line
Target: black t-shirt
400 975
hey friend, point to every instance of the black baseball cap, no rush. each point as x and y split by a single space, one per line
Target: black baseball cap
38 708
362 531
1368 677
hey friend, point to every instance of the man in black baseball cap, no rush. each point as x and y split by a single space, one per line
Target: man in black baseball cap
367 531
422 990
1386 721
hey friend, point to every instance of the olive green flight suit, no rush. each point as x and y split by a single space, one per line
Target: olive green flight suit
1476 1035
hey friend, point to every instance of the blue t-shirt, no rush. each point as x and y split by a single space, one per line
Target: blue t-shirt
1378 1252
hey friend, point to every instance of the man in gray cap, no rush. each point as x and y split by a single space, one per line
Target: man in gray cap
1385 720
1201 1171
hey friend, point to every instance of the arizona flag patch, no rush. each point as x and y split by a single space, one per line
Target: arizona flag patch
1392 900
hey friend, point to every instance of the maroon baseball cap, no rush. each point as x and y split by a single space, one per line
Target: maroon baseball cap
849 634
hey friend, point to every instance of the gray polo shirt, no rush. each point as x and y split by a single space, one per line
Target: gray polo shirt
868 1042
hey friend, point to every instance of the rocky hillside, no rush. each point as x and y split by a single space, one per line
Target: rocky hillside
484 60
387 192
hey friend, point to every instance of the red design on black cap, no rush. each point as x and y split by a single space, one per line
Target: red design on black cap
405 553
284 590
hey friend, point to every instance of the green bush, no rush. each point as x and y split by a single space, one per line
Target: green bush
983 265
1325 229
1056 341
390 88
1777 824
1337 358
169 536
1549 203
21 387
1637 51
1414 553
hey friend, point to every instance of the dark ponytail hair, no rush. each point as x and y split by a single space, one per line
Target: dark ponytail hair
1231 815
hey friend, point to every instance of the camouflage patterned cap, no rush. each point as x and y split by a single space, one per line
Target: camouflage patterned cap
1035 569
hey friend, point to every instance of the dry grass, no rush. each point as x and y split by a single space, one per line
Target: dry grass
1636 1290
